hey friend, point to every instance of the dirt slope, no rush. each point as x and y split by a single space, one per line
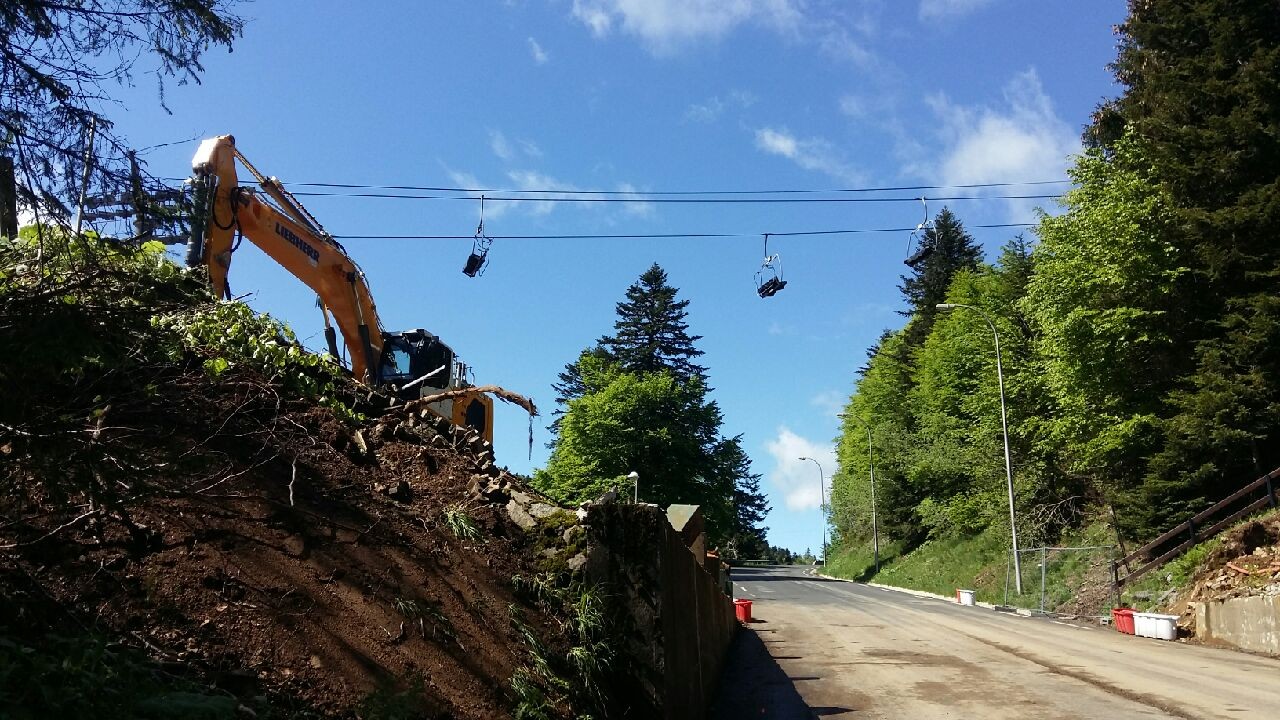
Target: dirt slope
254 547
1246 562
288 564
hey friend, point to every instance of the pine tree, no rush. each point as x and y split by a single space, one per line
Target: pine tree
954 250
651 333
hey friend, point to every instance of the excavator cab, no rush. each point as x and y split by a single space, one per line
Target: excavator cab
416 361
417 364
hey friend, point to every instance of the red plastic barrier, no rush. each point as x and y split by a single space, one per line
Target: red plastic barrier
1123 618
742 608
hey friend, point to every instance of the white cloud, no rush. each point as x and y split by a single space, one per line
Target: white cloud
530 149
838 43
831 402
705 112
939 9
665 25
809 153
498 143
540 56
470 182
777 142
635 209
797 480
1023 141
532 180
509 149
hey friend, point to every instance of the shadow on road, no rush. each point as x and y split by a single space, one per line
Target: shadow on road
753 685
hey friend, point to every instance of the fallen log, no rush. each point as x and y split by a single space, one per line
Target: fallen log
498 392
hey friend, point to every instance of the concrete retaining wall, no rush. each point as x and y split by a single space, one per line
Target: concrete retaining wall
1251 623
678 623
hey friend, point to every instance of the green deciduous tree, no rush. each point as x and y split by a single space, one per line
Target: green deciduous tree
637 402
1105 299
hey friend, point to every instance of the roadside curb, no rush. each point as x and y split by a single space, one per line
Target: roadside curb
916 593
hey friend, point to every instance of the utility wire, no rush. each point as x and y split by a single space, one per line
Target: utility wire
664 200
650 193
473 193
664 236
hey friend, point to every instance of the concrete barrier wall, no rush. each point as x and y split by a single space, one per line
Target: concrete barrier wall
1251 623
679 622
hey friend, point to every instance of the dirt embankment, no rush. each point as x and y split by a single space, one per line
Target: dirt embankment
1245 563
253 543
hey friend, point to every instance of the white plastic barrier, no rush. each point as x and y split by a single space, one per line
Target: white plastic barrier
1164 627
1143 625
1155 625
965 596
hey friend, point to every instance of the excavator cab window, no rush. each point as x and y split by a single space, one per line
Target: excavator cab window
397 362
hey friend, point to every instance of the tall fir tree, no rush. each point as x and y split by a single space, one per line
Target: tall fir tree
954 250
651 332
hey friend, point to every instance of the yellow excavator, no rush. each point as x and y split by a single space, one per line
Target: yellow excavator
411 364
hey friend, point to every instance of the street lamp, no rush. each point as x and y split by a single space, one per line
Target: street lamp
634 477
822 494
1004 425
871 462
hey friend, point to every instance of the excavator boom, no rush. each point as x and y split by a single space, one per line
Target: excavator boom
293 238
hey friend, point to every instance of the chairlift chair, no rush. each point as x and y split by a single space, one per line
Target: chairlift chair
919 238
478 260
766 288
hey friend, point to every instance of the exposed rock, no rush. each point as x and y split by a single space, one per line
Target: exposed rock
542 511
519 515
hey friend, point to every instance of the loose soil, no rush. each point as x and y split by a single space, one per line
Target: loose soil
260 545
1245 563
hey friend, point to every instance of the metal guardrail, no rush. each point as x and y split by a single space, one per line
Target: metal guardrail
1187 534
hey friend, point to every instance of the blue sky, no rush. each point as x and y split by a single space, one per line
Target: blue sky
652 96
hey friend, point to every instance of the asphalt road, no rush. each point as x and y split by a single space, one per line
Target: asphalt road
823 648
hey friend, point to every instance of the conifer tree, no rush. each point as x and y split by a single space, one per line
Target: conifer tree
954 250
651 332
636 401
1201 106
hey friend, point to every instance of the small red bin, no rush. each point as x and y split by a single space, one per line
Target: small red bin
742 608
1123 618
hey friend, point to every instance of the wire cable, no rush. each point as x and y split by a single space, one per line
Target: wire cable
667 236
474 193
667 200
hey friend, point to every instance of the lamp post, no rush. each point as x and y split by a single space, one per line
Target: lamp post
822 494
871 463
1004 426
634 477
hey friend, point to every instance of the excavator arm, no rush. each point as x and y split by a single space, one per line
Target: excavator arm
293 239
413 364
